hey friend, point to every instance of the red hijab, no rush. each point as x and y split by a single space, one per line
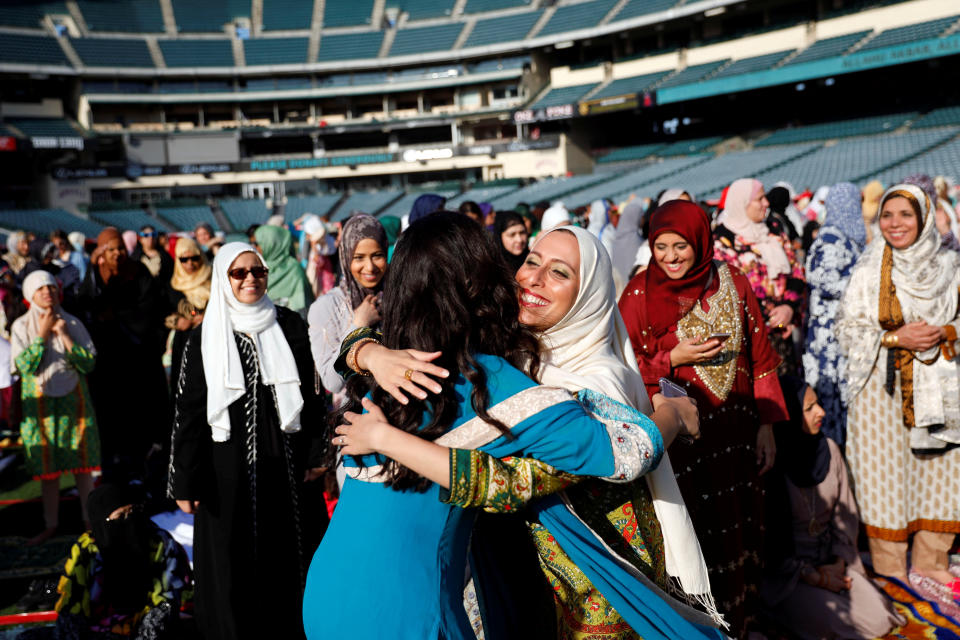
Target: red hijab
669 300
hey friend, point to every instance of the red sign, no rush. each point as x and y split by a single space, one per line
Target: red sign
8 143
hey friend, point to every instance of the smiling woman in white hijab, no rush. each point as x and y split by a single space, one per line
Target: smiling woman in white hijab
52 352
248 426
898 327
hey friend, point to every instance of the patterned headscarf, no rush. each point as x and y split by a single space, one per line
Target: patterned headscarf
354 230
845 214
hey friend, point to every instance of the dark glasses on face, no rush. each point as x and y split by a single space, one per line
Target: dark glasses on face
186 259
241 273
149 234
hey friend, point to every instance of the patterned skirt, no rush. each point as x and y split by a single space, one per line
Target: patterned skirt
59 434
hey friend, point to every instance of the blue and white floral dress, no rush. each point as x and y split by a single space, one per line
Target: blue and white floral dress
830 263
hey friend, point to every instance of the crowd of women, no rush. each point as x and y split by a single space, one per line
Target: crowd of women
635 421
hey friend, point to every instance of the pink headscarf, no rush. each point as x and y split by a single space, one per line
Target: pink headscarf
755 234
129 240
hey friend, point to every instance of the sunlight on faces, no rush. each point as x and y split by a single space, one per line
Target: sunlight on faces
114 253
369 263
812 412
514 238
190 266
250 289
45 296
899 223
758 205
673 254
202 236
550 280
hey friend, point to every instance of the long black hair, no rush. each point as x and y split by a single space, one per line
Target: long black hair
447 290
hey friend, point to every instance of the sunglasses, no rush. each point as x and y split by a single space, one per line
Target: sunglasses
186 259
149 234
241 273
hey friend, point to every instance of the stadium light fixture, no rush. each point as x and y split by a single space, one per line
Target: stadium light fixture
566 44
716 11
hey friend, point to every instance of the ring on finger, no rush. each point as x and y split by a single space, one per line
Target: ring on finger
408 374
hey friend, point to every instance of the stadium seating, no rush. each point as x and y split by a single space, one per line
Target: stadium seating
498 64
502 29
286 14
549 190
757 63
29 14
634 84
129 16
133 219
243 213
910 33
563 95
197 53
829 47
692 74
349 46
708 178
937 159
629 154
577 16
43 127
619 185
855 159
47 220
402 206
113 52
319 204
24 49
838 129
480 6
424 9
365 202
347 14
635 8
481 193
270 51
945 116
187 218
686 147
203 17
437 38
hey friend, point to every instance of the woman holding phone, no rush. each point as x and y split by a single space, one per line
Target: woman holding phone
697 323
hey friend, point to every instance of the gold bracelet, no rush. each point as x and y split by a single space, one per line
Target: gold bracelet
890 340
351 359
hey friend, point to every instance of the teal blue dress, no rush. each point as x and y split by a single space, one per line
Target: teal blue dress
392 563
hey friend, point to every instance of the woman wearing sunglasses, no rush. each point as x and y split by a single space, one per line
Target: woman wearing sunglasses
150 252
240 455
191 274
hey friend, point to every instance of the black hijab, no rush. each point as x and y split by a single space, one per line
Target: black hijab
777 220
123 545
804 458
505 220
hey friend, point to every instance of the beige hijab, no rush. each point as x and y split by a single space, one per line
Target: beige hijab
194 286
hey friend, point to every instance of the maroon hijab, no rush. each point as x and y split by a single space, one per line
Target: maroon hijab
669 300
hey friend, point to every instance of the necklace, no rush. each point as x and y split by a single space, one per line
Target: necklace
814 528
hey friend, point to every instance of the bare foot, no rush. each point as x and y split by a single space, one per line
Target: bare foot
940 575
41 537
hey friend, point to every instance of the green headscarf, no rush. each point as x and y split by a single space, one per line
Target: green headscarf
287 284
391 225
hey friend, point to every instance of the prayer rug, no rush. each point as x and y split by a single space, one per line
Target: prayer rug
925 619
20 561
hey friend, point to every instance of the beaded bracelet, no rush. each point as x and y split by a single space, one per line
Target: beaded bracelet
351 359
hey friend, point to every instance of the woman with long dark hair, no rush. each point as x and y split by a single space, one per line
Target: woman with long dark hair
510 234
391 516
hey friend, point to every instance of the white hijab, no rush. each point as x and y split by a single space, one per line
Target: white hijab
600 224
221 358
590 349
755 234
926 277
556 216
55 375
